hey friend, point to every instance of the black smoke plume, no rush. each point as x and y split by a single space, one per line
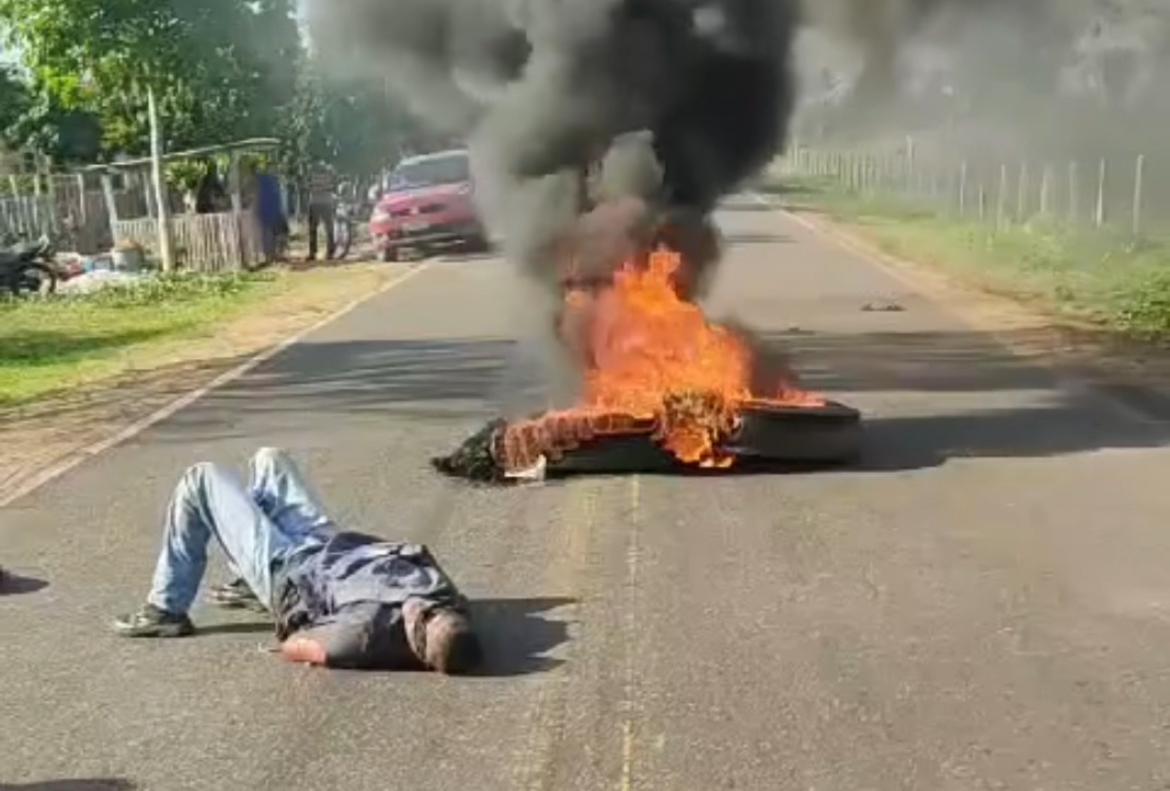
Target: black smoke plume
678 100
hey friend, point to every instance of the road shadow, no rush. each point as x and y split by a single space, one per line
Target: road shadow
746 205
515 635
1052 420
777 186
919 441
932 361
96 784
15 585
234 627
371 376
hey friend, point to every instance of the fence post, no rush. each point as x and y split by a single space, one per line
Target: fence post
1138 179
1022 194
1001 202
963 188
1073 193
81 207
1045 187
911 170
17 204
111 206
1099 214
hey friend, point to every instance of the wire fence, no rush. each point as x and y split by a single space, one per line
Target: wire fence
1118 194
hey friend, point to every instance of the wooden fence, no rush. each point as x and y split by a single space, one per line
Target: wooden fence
222 242
28 216
77 220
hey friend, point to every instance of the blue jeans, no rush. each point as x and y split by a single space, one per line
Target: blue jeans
256 526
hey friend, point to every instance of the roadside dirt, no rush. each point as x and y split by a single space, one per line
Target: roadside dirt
1134 373
40 435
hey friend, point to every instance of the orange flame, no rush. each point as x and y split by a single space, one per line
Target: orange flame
656 357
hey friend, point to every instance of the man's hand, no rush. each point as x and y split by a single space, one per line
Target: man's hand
304 649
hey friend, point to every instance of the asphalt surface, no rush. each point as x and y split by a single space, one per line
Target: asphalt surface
983 604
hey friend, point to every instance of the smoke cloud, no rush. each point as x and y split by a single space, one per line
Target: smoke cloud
679 100
1062 77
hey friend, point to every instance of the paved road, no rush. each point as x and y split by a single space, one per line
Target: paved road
984 605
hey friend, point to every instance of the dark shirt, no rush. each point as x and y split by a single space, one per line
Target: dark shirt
348 595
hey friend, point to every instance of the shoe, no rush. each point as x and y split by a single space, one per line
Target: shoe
150 621
235 594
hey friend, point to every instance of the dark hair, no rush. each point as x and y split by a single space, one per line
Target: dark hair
455 648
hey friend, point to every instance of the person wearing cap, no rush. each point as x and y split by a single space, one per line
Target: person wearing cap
338 598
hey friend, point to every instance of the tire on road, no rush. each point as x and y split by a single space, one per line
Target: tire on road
769 436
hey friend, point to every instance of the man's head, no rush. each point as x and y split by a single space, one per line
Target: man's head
440 637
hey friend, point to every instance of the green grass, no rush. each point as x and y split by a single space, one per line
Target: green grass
1096 275
51 344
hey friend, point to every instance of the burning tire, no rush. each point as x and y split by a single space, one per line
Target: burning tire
830 433
768 435
663 389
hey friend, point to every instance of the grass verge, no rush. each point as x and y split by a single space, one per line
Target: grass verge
56 344
1101 277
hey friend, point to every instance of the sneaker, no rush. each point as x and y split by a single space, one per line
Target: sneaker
150 621
235 594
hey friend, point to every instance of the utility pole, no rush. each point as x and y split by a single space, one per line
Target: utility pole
165 254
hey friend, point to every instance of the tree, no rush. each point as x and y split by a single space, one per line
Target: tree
15 98
218 67
355 125
32 120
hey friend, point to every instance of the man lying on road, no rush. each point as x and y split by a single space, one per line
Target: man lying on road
340 599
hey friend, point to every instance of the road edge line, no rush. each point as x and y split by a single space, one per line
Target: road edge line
75 458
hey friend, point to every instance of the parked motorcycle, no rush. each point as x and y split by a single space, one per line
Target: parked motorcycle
27 268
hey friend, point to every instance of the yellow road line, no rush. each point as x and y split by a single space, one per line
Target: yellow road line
627 755
562 574
626 776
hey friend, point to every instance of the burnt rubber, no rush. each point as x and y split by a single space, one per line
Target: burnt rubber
827 434
769 435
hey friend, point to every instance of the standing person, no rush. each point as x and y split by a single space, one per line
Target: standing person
210 195
269 213
340 599
322 206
